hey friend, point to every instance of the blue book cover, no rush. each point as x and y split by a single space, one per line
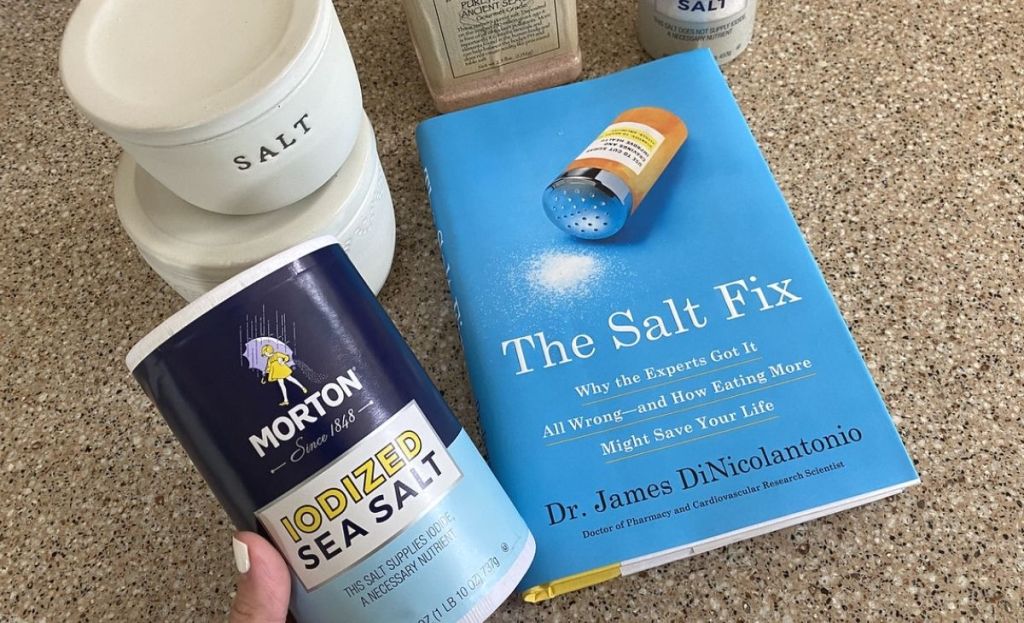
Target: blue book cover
685 383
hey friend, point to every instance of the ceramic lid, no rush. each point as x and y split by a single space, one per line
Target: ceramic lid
160 72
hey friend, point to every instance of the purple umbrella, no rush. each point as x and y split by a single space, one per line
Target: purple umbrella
257 361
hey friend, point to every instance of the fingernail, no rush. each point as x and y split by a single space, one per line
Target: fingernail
241 551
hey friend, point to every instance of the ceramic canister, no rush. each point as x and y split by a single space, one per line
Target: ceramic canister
237 106
313 423
195 250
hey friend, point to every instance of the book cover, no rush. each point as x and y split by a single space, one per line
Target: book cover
682 384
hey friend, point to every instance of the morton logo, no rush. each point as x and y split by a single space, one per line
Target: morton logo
309 411
273 358
268 346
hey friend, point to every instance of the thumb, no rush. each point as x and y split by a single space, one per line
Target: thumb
264 584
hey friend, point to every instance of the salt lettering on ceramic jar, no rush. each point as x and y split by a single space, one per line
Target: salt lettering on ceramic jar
282 142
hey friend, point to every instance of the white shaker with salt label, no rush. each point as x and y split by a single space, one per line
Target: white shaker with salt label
237 106
669 26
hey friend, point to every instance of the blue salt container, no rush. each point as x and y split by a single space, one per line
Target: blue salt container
313 423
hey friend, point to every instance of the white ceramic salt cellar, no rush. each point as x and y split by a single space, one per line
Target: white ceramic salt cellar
237 106
194 250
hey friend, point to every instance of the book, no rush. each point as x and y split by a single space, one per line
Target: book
684 384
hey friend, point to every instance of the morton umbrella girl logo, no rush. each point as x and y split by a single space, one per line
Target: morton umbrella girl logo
274 358
265 348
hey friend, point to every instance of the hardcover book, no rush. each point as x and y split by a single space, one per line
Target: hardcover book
680 385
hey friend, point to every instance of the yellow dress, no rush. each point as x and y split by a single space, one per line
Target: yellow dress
276 368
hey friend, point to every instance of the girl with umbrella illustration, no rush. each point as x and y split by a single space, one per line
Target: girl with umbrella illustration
278 370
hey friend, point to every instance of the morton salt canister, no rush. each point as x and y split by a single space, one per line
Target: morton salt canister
313 423
236 106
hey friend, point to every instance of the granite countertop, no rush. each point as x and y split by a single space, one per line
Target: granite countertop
896 132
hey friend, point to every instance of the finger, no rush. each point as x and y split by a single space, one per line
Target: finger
263 584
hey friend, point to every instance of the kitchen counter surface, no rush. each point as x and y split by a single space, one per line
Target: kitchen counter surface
895 130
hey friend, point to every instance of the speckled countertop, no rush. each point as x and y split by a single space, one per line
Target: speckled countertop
895 130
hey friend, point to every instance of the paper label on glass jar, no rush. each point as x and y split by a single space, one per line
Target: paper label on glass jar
479 35
626 142
700 12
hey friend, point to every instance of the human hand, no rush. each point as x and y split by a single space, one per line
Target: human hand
264 584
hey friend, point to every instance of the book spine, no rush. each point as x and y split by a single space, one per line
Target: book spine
443 208
445 256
